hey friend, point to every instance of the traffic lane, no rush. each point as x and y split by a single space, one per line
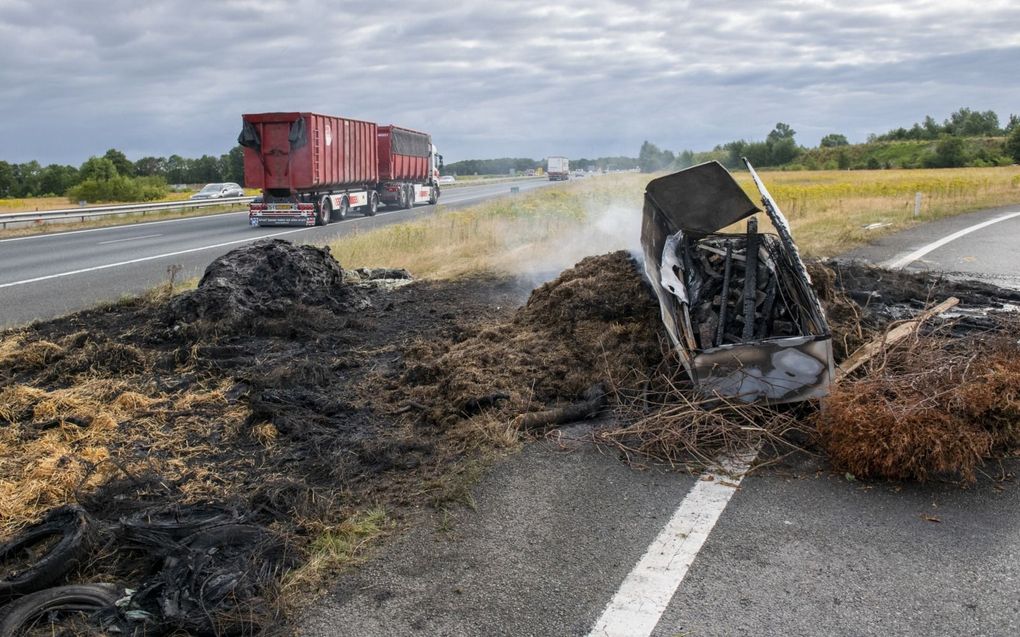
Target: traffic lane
43 255
886 248
988 254
132 272
551 534
812 553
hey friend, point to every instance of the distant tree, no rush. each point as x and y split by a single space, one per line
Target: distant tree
832 140
177 169
232 165
27 177
150 167
1012 147
651 158
734 151
968 123
1012 124
123 164
873 164
949 153
98 168
758 153
843 160
684 160
779 133
205 169
56 179
7 181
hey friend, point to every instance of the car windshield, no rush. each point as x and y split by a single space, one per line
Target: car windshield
212 188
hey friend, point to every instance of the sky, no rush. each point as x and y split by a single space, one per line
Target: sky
494 78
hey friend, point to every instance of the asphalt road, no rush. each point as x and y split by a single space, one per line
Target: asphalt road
798 549
45 276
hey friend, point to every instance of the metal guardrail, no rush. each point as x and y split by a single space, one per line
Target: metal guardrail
101 211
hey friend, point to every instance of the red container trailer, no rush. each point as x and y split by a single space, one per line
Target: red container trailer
315 168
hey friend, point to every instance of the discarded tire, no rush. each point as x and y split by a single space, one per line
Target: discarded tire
63 528
164 525
219 581
56 604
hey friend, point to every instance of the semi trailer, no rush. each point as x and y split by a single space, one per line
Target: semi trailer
559 168
313 169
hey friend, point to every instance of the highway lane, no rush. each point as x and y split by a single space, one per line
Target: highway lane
45 276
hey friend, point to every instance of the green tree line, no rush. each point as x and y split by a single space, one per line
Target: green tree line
965 138
113 177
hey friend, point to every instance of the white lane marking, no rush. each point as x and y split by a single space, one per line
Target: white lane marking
645 593
126 225
907 259
142 259
144 236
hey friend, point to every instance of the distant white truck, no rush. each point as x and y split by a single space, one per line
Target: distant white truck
559 168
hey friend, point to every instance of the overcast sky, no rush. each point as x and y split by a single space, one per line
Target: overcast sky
493 78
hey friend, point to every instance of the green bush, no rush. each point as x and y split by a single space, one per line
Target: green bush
118 188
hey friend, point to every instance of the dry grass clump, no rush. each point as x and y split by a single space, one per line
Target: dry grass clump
936 406
667 421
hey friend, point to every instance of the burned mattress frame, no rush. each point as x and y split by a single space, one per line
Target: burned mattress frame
707 282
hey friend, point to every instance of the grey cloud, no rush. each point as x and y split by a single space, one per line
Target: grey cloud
581 77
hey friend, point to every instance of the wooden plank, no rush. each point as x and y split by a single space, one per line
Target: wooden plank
893 336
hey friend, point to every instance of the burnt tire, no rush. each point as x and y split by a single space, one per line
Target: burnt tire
20 615
161 526
67 522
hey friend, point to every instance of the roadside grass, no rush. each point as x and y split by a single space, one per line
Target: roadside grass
334 548
829 212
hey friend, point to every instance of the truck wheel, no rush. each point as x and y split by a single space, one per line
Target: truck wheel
405 198
325 213
345 205
373 204
434 195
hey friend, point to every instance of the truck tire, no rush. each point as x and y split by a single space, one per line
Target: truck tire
373 204
434 195
325 213
405 198
341 212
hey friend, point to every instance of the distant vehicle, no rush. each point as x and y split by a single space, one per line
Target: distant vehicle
313 169
559 168
530 172
219 191
447 179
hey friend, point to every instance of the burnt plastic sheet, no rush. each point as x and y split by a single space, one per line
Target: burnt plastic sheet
407 142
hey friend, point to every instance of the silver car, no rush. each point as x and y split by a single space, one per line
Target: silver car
219 191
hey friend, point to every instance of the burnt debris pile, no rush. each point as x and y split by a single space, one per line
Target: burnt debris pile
268 278
594 326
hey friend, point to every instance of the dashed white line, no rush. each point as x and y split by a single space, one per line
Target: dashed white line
910 257
144 236
645 593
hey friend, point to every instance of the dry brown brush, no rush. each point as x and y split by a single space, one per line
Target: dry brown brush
933 406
